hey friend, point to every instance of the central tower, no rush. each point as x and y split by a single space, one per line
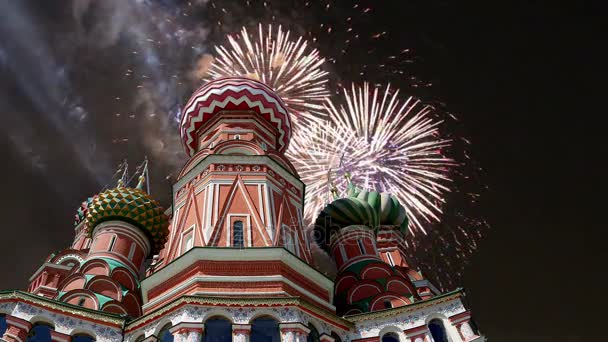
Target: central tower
237 196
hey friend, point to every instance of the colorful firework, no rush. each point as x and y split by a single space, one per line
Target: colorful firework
290 67
387 144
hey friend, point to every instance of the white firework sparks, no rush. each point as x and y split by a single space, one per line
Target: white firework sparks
387 144
290 67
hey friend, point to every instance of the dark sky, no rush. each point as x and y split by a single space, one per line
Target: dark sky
524 77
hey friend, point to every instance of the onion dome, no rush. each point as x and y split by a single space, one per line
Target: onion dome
81 212
390 211
360 207
233 94
133 206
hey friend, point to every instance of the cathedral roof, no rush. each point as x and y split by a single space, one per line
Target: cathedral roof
233 94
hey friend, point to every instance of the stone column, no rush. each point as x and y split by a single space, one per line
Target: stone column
16 329
241 332
293 332
188 332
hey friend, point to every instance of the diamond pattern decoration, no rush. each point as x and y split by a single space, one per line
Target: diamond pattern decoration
133 206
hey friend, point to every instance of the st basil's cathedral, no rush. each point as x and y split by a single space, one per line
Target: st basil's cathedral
230 259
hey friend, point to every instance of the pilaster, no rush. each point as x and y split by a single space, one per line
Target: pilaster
462 324
188 332
59 337
293 332
241 332
16 329
326 338
418 334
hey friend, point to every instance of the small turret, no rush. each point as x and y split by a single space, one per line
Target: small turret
126 227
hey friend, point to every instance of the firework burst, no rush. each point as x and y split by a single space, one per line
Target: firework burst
289 66
387 144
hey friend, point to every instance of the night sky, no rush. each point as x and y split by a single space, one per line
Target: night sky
81 89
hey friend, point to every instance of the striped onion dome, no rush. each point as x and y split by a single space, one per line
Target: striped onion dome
133 206
360 207
234 93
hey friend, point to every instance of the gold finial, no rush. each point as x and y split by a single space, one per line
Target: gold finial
121 183
140 183
348 177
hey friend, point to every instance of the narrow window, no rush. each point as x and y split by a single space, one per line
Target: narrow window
88 243
132 251
388 304
390 259
112 242
237 234
361 247
237 137
81 301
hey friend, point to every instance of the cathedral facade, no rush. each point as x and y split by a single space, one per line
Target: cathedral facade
230 260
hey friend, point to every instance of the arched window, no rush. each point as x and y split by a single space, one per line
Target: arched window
313 335
40 332
336 337
2 324
438 330
265 329
237 234
390 337
164 335
82 338
217 329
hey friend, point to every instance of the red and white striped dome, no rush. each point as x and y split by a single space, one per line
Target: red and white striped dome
233 94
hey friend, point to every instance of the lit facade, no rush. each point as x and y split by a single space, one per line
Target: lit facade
230 259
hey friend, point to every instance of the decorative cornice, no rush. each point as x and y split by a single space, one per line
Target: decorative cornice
407 308
64 308
246 302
